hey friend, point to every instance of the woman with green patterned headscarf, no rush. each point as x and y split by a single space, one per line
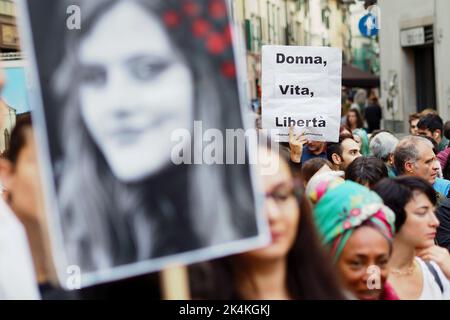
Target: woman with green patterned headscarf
362 138
358 229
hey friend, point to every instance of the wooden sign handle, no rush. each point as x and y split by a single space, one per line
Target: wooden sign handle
175 283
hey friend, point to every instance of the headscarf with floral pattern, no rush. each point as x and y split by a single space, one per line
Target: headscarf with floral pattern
342 206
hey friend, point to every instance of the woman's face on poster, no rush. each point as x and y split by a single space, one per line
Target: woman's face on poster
135 90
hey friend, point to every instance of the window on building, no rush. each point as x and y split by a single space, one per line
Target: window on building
275 24
306 38
425 77
293 30
248 34
264 31
7 7
7 137
306 8
269 23
298 33
258 34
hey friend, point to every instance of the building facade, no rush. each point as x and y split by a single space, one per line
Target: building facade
9 35
414 46
291 22
9 49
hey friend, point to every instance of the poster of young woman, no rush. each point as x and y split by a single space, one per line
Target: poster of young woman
116 79
301 88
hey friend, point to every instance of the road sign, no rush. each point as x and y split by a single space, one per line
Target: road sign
368 25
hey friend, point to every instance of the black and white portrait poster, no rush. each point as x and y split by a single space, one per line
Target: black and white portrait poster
122 83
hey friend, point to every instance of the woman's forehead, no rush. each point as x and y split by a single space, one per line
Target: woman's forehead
281 176
139 32
419 199
366 239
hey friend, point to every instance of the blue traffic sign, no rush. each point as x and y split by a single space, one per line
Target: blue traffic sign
368 25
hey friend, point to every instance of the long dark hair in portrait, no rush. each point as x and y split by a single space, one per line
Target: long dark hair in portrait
106 222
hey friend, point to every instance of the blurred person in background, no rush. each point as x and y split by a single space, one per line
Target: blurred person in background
443 231
366 171
443 211
343 129
373 114
413 120
19 174
382 146
446 132
354 120
432 126
358 229
361 137
376 132
444 154
446 170
313 167
428 111
419 271
292 266
17 274
360 101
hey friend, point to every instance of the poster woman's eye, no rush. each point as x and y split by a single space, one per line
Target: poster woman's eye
145 70
94 76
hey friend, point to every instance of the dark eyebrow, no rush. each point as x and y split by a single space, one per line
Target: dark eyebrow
281 185
91 65
361 256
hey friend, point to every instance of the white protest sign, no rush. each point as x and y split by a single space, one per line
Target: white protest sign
301 87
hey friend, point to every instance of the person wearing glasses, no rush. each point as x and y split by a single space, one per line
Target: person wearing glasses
292 266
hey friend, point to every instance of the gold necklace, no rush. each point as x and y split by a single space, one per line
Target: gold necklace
408 271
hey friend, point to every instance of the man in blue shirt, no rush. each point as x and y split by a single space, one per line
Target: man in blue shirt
313 149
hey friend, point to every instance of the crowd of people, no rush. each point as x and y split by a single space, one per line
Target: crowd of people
367 217
406 187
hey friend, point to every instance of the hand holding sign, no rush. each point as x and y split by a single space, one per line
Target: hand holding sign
296 143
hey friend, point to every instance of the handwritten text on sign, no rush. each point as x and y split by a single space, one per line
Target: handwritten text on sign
301 87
